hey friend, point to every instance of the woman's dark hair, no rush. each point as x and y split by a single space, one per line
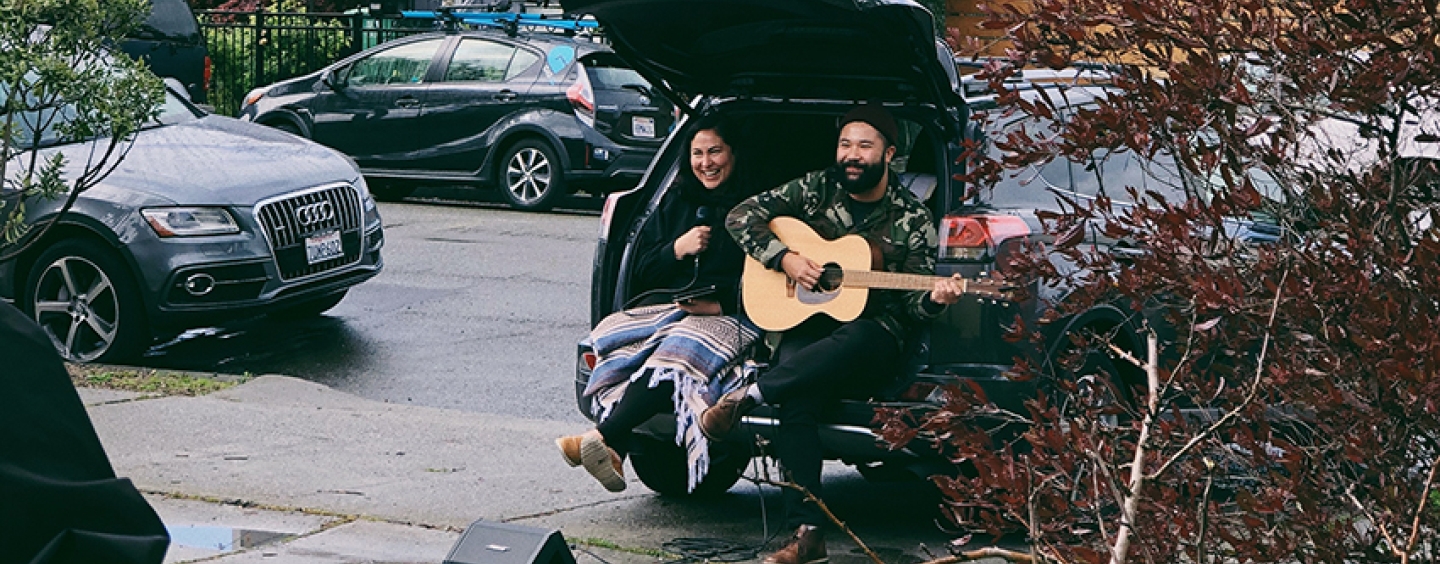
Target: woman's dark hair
728 193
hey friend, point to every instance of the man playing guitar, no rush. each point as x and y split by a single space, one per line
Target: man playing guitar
822 360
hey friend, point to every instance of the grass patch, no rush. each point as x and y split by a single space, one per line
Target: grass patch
148 381
602 543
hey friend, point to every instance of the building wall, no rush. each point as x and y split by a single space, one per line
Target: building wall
966 17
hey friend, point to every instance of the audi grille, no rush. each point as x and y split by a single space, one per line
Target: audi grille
292 220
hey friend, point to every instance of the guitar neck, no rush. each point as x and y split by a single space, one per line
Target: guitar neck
880 280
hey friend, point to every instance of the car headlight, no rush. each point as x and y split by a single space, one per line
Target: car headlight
190 222
366 199
254 96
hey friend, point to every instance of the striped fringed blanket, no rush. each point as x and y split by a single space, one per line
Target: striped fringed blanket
701 354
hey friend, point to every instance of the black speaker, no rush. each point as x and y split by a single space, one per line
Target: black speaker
501 543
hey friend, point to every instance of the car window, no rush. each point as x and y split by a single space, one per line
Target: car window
478 60
521 63
405 64
613 78
170 19
1030 187
173 111
51 121
1111 172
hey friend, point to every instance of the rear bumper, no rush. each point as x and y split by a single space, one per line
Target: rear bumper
607 163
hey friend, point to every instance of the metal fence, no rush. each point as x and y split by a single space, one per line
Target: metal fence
255 48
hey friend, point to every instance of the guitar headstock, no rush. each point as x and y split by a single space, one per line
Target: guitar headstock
992 286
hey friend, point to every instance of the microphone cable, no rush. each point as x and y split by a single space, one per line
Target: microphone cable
702 218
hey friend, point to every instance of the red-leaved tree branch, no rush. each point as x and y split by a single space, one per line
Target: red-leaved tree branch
1291 409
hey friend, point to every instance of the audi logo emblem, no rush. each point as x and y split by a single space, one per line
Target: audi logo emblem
312 214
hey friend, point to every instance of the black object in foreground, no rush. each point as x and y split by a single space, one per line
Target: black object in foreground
62 503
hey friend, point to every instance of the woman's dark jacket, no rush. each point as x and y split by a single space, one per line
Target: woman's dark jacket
657 269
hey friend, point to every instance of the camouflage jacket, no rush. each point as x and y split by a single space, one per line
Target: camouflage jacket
900 227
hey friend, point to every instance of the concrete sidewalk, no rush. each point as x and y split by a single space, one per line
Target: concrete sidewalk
280 470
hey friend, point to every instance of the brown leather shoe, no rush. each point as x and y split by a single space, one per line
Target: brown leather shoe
570 449
718 420
599 460
807 546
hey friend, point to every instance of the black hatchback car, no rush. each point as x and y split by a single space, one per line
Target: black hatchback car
538 113
170 41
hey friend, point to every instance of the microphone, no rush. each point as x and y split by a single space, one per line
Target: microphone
702 219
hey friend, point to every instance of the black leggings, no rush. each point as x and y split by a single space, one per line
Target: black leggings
820 362
639 403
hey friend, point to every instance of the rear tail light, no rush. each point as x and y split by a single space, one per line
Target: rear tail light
980 237
582 97
589 358
919 391
207 73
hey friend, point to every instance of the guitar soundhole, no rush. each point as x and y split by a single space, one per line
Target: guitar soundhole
826 288
830 278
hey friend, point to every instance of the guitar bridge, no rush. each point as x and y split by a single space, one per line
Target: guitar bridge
789 287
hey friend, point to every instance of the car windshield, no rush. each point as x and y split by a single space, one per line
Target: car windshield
169 19
612 78
1108 172
45 127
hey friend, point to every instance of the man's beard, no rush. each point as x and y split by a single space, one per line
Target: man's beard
870 174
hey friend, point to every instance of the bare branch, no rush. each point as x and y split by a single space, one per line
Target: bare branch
982 553
810 497
1379 526
1420 510
1130 508
1250 395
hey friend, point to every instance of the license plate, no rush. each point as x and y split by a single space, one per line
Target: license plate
642 127
321 248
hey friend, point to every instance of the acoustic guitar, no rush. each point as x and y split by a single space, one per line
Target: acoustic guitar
775 303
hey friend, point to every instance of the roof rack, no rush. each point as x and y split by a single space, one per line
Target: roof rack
497 14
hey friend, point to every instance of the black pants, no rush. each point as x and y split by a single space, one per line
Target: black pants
821 362
639 403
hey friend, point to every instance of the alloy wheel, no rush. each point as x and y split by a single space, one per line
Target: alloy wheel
527 175
76 304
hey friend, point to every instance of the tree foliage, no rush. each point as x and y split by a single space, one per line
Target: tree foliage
1291 410
60 87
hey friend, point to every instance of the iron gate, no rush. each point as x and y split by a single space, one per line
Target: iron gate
255 48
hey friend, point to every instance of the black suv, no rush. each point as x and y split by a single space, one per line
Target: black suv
171 43
782 74
539 113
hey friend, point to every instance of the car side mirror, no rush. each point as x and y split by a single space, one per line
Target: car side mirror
334 79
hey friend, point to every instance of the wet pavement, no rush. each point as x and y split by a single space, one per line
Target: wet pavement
348 480
478 309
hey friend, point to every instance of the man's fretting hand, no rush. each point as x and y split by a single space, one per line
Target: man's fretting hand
947 290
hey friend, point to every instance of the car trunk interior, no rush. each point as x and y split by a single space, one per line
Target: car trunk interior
776 143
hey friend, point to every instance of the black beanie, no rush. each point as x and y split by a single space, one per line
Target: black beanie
877 117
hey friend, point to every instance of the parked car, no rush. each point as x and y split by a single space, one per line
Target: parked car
170 41
205 220
781 76
800 66
539 114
